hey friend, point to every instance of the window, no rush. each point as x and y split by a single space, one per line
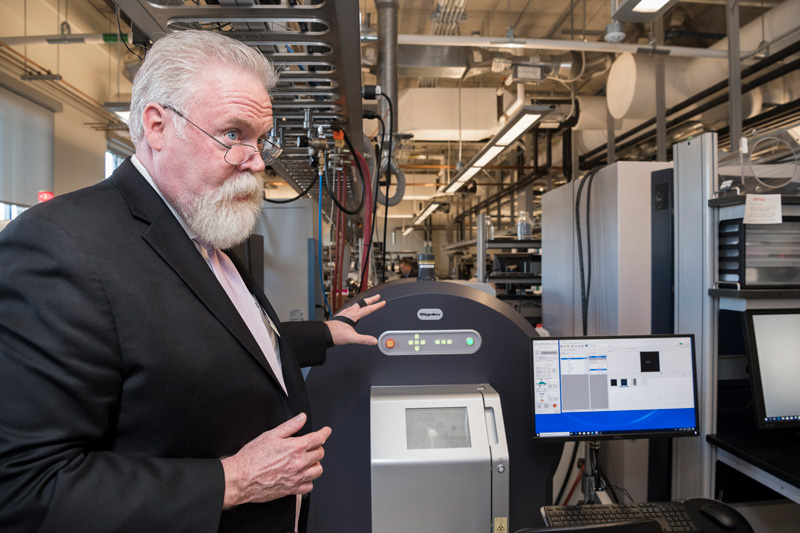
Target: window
26 149
10 211
112 162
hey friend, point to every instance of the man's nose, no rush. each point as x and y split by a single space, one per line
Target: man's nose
254 164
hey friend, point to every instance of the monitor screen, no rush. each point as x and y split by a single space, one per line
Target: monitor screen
593 388
773 346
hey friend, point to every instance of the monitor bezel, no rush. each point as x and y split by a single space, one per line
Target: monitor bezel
756 383
622 435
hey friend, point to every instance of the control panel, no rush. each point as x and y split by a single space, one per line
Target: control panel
430 342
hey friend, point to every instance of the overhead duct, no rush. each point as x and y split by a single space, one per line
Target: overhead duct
445 21
432 61
631 80
387 77
432 114
593 113
591 130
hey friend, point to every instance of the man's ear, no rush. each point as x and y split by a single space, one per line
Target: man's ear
154 121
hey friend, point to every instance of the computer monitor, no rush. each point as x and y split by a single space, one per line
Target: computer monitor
773 346
595 388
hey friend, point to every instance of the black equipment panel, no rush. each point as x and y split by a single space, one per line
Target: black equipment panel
340 390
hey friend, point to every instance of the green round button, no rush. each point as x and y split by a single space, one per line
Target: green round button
470 341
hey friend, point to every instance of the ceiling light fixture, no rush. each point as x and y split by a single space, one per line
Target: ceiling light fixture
408 230
520 123
120 109
426 213
642 10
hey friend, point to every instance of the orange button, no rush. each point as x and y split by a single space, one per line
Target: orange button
389 343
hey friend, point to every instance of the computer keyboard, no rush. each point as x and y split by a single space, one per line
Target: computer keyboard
670 515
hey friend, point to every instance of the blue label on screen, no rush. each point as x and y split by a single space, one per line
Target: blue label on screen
609 422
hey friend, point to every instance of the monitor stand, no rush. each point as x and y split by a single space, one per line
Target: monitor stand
591 494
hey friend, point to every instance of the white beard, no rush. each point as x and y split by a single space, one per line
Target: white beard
217 218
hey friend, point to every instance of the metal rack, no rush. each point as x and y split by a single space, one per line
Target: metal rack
312 46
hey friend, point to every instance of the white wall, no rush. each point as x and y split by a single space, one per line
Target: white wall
90 68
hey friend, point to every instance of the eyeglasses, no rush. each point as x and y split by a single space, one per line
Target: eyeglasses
238 153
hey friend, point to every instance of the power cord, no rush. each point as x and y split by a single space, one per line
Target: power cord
372 115
586 280
121 38
290 200
372 92
566 477
361 174
388 183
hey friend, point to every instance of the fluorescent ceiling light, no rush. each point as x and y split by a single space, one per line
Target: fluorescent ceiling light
520 123
490 154
518 129
463 177
467 174
425 214
642 10
420 197
649 6
120 109
408 230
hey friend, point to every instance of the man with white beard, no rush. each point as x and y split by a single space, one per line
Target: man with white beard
146 384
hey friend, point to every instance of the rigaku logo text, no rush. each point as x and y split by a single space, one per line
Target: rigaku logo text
430 314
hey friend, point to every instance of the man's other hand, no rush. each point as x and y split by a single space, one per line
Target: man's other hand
343 332
274 464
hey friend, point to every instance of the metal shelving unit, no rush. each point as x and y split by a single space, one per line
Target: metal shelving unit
698 304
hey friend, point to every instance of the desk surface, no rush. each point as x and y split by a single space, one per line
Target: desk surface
775 453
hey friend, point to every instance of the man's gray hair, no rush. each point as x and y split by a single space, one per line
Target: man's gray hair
170 72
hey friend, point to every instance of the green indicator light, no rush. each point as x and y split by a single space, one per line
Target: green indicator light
449 341
438 341
411 343
423 343
470 341
416 348
416 343
416 335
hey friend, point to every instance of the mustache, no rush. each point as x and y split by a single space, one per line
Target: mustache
245 184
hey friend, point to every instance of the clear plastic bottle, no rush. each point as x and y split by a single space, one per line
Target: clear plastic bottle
524 226
489 229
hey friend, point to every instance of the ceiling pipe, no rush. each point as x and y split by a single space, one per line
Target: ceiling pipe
555 44
516 105
387 55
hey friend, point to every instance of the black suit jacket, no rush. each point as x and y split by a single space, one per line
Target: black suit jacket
126 372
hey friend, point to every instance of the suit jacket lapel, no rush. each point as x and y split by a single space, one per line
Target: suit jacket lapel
285 353
168 239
